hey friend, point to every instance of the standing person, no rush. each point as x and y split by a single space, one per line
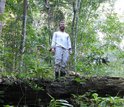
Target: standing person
61 47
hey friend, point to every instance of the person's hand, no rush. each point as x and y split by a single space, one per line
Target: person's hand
70 51
53 50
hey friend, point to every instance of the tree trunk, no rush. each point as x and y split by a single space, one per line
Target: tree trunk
2 7
23 39
17 91
76 7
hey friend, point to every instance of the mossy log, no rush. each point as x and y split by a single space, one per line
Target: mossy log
15 91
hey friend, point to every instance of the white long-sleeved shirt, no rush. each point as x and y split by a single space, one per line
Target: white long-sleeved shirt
61 39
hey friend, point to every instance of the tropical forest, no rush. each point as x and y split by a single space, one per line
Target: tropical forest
95 68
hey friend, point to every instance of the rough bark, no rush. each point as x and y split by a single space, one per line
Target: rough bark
23 92
76 32
76 7
23 38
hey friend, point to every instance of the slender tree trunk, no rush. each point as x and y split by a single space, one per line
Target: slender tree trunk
23 39
73 24
49 23
2 7
76 8
0 27
72 63
47 6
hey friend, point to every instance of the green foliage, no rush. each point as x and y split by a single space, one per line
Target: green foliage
81 100
42 21
59 103
43 71
80 80
95 101
108 102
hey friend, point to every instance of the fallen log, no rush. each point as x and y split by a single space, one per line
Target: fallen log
38 91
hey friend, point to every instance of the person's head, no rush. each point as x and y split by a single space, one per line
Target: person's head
62 26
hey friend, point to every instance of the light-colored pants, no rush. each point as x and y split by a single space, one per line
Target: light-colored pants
61 56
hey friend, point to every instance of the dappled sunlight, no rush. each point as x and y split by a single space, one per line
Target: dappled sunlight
122 45
119 9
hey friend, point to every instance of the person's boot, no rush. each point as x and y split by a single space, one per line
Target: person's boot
62 72
56 75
